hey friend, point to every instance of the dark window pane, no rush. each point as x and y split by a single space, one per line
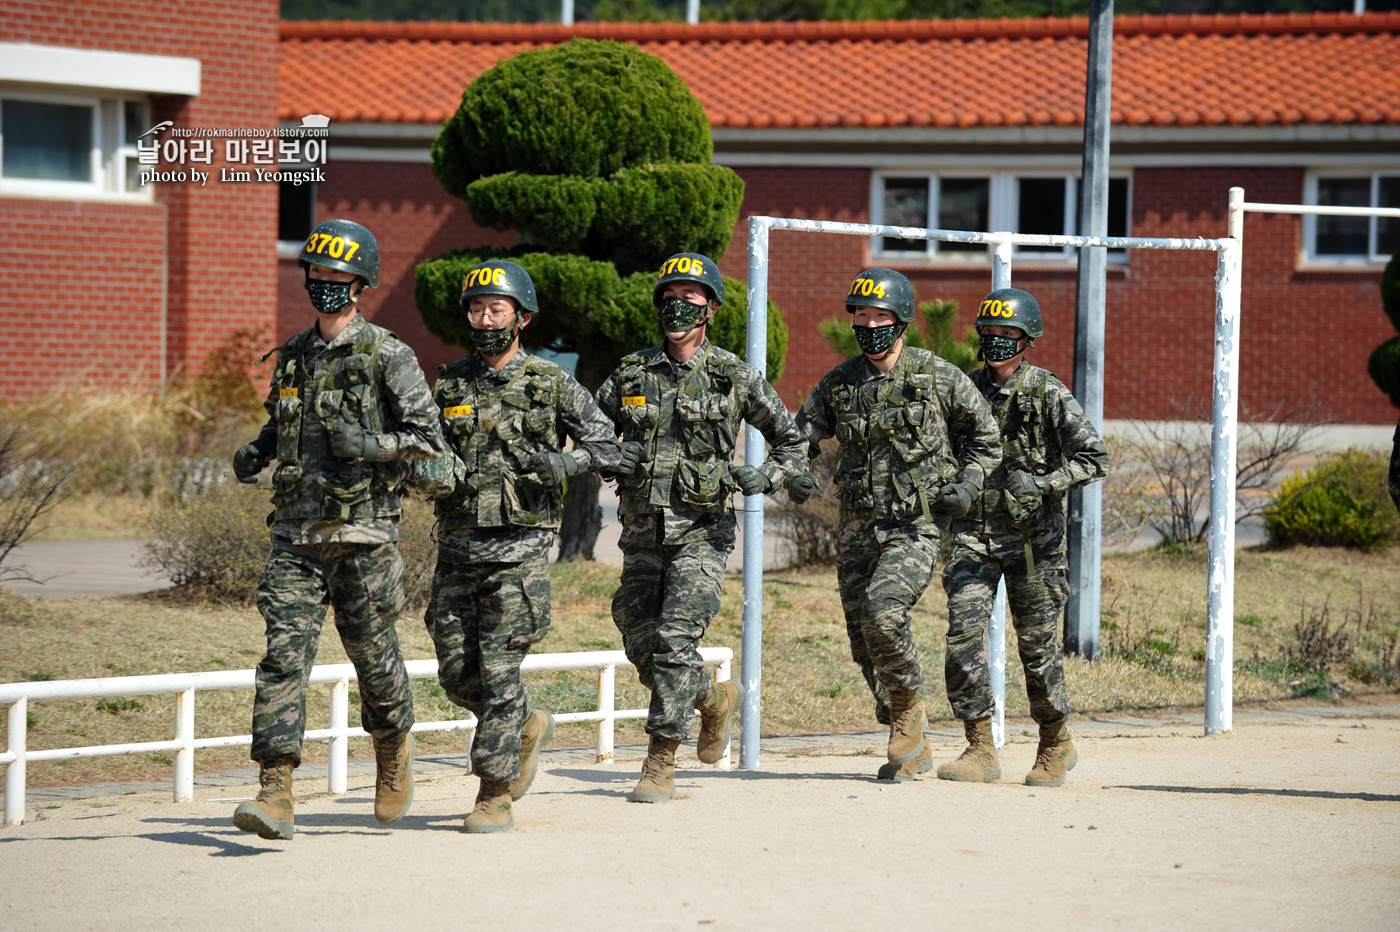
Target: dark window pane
295 206
1343 236
962 205
133 122
1042 210
906 205
1388 228
48 141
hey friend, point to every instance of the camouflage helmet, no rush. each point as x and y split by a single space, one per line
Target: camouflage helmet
882 288
501 277
1011 307
689 267
345 246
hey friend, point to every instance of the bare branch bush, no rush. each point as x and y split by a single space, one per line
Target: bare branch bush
809 530
1175 454
30 486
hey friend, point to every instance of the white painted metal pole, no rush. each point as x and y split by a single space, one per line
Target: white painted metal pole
1224 439
607 683
757 356
184 758
996 664
692 12
566 12
1001 265
17 726
338 758
726 761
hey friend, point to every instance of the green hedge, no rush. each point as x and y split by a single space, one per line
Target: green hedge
584 305
1384 368
585 108
1390 291
1343 501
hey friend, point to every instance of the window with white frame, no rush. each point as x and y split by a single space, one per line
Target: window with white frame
1352 239
68 145
1017 201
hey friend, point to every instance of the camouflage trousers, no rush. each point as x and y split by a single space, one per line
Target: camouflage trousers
364 583
883 571
666 600
1035 601
483 617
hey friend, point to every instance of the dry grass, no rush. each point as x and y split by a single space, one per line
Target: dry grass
1154 631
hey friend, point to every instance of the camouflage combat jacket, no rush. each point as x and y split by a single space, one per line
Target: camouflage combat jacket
365 376
1044 432
495 421
686 416
903 435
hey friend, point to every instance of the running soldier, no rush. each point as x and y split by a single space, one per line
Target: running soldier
1017 531
348 408
915 438
505 414
678 408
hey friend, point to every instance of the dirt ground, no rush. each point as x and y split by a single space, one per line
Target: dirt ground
1289 823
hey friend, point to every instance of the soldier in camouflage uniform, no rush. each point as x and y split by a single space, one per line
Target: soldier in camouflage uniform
915 438
1017 531
505 414
678 408
348 408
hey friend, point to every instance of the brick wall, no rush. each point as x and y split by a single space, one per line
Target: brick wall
1160 328
220 237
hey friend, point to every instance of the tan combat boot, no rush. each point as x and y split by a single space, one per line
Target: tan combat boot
903 773
978 763
539 728
716 715
492 812
1054 759
270 814
658 782
907 725
393 786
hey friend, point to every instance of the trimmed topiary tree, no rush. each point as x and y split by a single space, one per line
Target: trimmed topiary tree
1384 364
598 156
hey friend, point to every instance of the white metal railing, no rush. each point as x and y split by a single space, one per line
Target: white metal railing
17 696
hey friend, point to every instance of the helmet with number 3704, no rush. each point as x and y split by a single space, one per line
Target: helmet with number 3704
345 246
882 288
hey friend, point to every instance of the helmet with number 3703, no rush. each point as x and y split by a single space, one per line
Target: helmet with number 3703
1011 307
345 246
882 288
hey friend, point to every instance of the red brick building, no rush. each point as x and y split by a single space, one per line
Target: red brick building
109 281
964 124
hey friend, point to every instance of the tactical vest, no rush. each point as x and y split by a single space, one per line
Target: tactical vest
1027 445
910 415
347 390
687 433
495 433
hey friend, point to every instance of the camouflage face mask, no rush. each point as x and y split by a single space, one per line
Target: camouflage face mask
329 297
680 316
998 348
493 342
876 341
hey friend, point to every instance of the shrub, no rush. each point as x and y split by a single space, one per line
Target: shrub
1383 367
1342 501
809 530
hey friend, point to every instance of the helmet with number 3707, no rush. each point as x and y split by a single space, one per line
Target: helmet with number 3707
345 246
882 288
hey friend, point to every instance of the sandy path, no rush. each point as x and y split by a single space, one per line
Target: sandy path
1290 825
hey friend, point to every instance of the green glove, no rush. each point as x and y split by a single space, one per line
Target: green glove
248 462
631 458
553 467
1022 484
956 498
349 442
750 479
800 488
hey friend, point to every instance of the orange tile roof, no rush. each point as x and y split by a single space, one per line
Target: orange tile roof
1167 70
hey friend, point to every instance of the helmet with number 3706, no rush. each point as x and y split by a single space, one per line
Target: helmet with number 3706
345 246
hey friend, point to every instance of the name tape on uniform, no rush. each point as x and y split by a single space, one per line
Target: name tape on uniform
287 393
457 411
637 401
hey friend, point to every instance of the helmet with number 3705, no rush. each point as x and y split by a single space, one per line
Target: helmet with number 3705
345 246
689 267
